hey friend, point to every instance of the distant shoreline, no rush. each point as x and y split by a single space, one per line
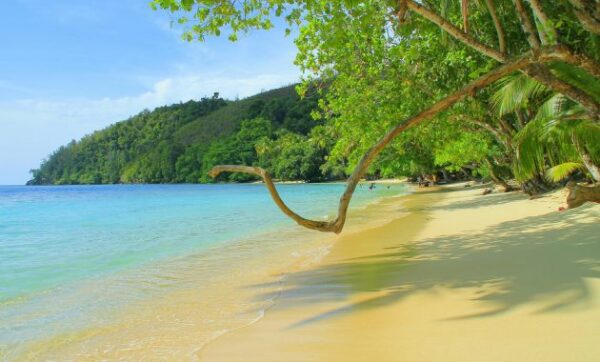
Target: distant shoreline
291 182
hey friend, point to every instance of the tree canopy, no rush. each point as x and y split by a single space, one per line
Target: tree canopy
415 85
182 142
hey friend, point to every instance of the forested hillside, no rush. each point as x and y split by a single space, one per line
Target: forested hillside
180 142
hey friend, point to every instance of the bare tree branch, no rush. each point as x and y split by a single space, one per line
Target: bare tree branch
526 24
311 224
464 8
499 30
402 9
588 13
548 34
456 32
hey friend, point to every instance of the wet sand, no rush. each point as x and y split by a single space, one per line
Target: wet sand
454 276
170 310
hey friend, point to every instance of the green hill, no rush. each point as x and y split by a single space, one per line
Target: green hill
275 105
180 142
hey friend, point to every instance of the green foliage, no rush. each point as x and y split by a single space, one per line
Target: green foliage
237 149
179 143
188 167
291 156
555 140
226 120
140 149
467 149
379 71
562 171
210 17
365 72
578 78
514 93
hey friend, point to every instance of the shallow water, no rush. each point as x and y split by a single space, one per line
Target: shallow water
96 271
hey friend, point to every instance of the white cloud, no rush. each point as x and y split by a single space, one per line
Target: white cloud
32 128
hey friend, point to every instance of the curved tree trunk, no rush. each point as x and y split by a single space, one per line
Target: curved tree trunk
592 168
530 63
497 179
311 224
535 186
336 225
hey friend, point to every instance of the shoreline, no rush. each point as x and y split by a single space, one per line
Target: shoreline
277 182
327 242
415 276
178 322
388 203
400 290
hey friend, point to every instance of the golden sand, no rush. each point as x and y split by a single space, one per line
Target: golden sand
456 276
447 275
184 303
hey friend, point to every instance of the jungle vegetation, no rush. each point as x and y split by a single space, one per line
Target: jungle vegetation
507 89
180 143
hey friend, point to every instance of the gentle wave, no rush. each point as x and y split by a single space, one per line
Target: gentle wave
100 270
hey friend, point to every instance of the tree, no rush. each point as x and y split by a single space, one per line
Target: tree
169 144
291 156
554 137
351 42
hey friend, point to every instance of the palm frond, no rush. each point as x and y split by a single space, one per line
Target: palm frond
563 115
530 149
514 92
562 171
552 108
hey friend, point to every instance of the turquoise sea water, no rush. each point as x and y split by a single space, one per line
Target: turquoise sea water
53 239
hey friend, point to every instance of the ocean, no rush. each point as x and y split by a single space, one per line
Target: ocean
84 268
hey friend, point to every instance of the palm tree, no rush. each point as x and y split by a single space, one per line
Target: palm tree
556 138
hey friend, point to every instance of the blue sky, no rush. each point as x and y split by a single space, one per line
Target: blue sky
69 67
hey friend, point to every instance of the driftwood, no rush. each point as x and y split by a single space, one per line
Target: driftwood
579 194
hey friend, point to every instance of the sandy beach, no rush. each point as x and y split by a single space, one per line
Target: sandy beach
444 274
453 276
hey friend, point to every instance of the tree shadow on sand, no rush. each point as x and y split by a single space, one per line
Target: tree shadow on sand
542 260
496 198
